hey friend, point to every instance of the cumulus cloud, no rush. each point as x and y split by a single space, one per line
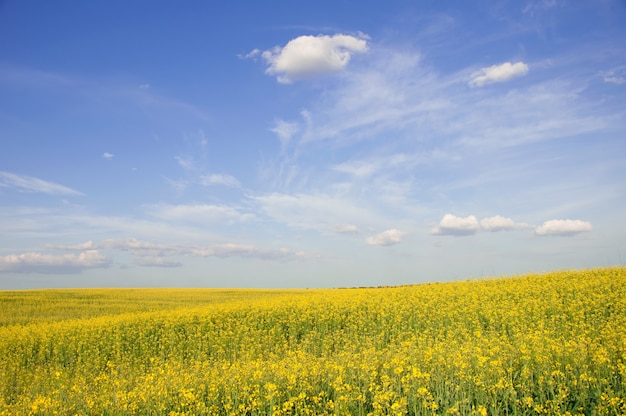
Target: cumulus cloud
24 183
563 228
108 156
386 238
307 56
54 264
499 223
346 229
498 73
456 226
219 179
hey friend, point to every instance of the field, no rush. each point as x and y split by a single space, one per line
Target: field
535 344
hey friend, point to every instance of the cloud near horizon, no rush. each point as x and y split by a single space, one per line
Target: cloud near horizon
307 56
152 254
386 238
563 228
35 262
465 226
500 223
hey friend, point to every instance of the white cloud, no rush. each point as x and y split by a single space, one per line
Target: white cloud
55 264
563 227
499 223
615 76
615 80
457 226
368 167
307 56
251 55
359 168
220 179
386 238
108 156
24 183
498 73
186 163
346 229
538 7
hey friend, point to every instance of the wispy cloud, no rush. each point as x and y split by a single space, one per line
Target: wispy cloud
563 228
285 131
35 262
219 179
307 56
364 168
160 254
617 77
395 96
248 251
615 80
313 211
538 7
24 183
198 213
108 156
187 163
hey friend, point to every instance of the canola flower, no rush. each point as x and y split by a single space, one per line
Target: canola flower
550 344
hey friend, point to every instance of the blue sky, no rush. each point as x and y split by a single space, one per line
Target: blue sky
323 144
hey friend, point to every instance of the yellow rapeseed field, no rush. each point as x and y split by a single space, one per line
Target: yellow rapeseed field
536 344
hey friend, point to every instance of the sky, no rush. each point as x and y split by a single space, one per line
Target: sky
309 144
